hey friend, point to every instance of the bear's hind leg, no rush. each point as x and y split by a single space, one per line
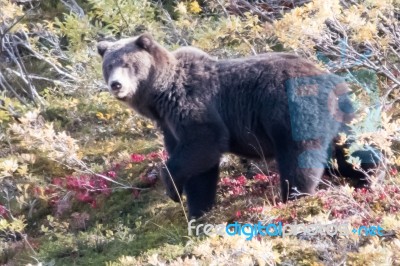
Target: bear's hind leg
300 171
371 164
201 191
303 182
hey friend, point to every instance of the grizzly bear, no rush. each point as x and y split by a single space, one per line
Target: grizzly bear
273 105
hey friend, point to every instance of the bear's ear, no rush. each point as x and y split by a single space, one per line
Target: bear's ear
145 41
102 47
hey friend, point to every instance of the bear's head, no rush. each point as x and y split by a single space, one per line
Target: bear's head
133 67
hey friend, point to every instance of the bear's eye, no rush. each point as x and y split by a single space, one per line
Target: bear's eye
125 65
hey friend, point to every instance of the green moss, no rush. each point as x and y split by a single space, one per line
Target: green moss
295 252
153 222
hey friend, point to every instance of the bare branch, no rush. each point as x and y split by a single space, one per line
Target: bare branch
7 87
74 7
41 57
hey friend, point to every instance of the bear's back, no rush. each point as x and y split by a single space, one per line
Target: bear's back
259 92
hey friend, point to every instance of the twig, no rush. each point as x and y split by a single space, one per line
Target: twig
122 15
7 87
177 192
74 7
171 22
41 57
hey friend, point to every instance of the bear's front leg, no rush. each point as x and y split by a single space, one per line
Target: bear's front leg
201 191
170 143
193 165
187 162
173 189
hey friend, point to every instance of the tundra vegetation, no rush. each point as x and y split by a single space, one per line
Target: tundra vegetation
78 170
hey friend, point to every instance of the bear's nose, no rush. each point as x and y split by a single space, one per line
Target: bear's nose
116 86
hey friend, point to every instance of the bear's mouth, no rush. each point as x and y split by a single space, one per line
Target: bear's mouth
121 98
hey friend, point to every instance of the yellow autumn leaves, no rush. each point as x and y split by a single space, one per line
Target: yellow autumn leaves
193 7
102 116
305 25
35 134
8 167
11 165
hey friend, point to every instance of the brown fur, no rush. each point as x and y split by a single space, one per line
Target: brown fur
253 107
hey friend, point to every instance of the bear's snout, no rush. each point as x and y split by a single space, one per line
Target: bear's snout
121 83
115 86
